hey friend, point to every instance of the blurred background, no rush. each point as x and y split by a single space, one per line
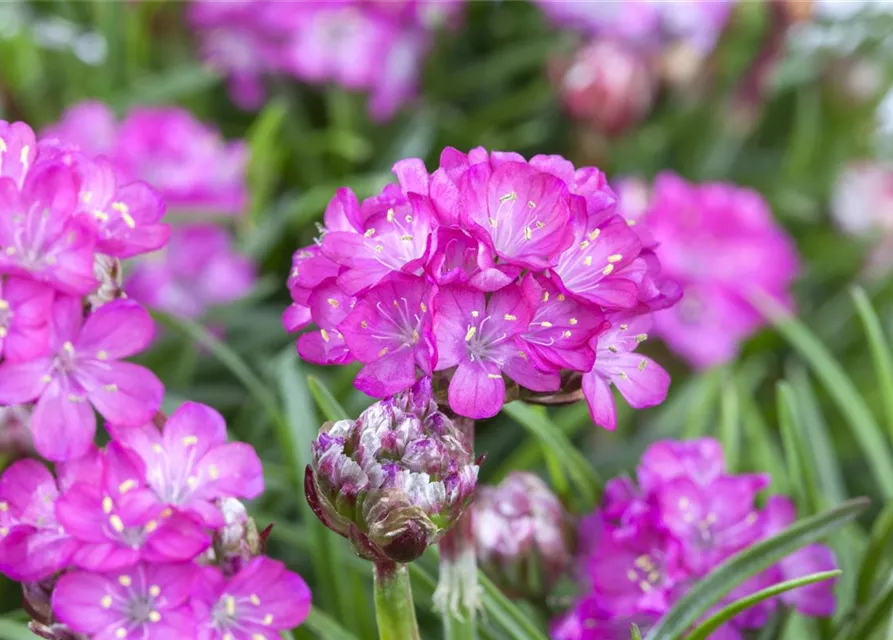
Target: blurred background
791 98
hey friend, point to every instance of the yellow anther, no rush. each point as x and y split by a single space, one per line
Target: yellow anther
379 248
642 365
561 297
324 334
584 244
102 355
4 305
654 576
587 261
10 251
167 513
632 575
408 218
125 581
475 314
546 324
121 632
572 322
369 233
594 234
68 348
492 222
494 376
644 586
607 270
364 324
510 316
213 472
528 233
106 602
383 352
117 524
188 441
470 333
254 599
566 334
86 197
3 531
423 307
154 591
157 448
390 215
25 151
615 257
4 506
107 505
111 388
127 485
268 619
642 337
684 502
545 296
406 238
154 616
230 603
192 482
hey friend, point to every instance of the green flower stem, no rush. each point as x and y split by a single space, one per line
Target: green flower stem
393 603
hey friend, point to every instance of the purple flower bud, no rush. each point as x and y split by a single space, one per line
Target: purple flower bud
524 536
394 480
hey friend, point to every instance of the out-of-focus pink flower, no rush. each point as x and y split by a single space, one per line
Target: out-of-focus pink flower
90 126
609 85
651 541
83 370
262 599
722 244
197 269
366 46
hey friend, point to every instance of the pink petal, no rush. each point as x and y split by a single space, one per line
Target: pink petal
29 554
179 538
24 481
453 307
77 601
600 400
230 470
412 175
23 382
324 347
296 317
63 423
25 343
642 382
31 300
116 330
67 320
193 430
477 390
388 375
124 393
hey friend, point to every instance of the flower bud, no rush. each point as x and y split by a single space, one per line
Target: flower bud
109 274
609 85
394 480
524 536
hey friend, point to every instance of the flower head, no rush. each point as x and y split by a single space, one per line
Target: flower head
394 480
260 601
523 535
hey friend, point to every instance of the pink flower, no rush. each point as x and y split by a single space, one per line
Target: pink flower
198 269
260 601
89 125
640 380
24 319
477 336
190 465
40 236
700 460
144 601
18 150
33 545
82 371
389 330
721 243
118 521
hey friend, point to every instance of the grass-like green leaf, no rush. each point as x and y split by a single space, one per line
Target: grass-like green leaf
841 389
729 422
12 630
880 541
800 472
748 563
880 351
714 622
325 400
264 139
326 627
551 437
871 617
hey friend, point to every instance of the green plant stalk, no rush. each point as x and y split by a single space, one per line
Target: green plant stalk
394 608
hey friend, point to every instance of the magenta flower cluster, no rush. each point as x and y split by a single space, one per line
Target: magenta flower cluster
374 46
722 244
136 540
651 541
145 537
496 275
200 176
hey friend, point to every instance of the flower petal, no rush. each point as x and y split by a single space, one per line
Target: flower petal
63 423
124 393
477 390
116 330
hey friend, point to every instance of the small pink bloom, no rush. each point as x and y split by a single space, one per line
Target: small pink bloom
84 370
24 319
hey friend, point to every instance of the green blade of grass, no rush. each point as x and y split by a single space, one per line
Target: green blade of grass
703 631
325 400
841 389
880 351
719 582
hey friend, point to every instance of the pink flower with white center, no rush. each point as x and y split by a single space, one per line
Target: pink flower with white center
39 235
522 213
33 545
18 150
84 370
722 244
125 217
393 236
119 522
601 265
190 464
144 601
478 337
262 600
199 268
641 381
561 328
24 319
389 330
328 306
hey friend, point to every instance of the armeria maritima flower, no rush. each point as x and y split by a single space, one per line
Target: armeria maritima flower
651 541
499 274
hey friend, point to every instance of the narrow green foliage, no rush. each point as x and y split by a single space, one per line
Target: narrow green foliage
880 352
325 627
872 617
325 400
729 421
879 544
841 389
267 156
714 622
800 470
12 630
749 562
